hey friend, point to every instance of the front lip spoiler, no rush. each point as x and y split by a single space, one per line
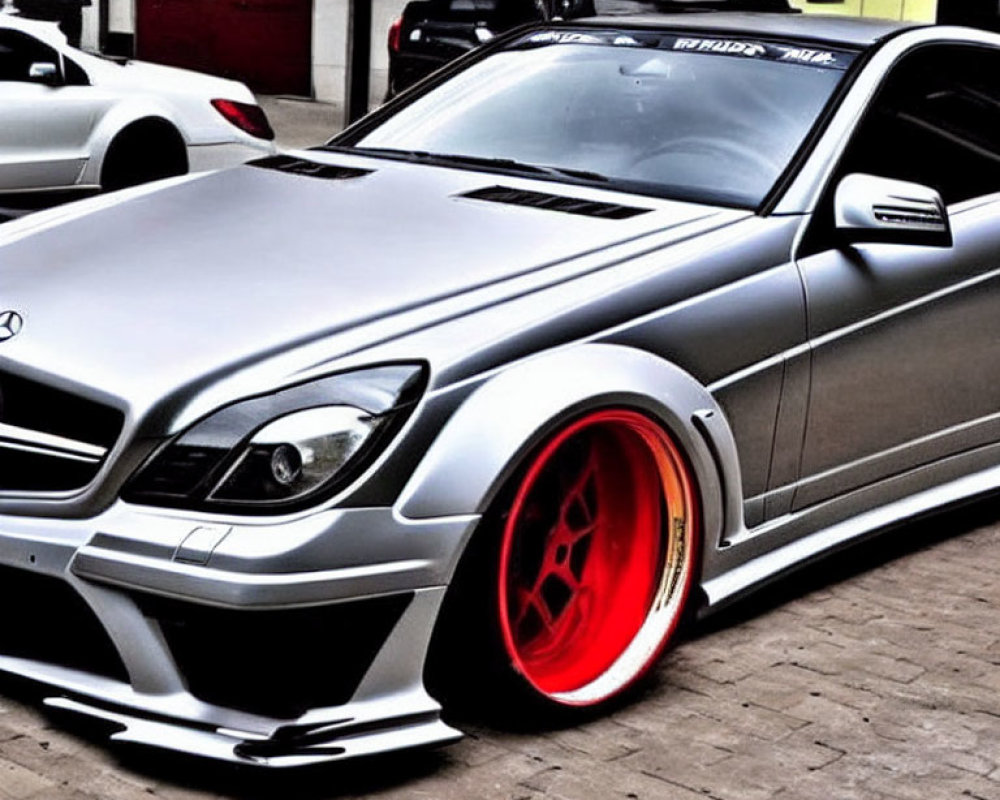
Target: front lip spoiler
289 746
309 739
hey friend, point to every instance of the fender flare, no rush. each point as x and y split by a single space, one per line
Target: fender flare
488 437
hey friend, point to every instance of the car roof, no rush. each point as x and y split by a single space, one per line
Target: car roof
48 32
853 31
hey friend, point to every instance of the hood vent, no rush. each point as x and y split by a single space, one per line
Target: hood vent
312 169
555 202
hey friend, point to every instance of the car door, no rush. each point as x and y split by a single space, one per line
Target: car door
45 127
905 339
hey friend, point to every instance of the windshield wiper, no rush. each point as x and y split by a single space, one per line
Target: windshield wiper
520 166
582 174
508 164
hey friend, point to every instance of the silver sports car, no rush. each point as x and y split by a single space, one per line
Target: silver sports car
608 324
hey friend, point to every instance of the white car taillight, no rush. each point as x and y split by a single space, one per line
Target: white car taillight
248 117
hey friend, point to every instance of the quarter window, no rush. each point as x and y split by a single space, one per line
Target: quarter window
75 76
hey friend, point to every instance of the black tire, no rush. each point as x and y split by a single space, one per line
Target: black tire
608 614
145 151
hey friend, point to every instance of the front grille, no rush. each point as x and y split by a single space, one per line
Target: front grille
46 620
51 440
276 663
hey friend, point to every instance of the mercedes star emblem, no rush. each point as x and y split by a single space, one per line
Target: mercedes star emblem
10 324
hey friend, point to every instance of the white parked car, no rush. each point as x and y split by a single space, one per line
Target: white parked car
78 122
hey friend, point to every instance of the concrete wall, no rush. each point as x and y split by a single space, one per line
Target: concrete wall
121 19
915 10
383 14
121 16
88 36
330 47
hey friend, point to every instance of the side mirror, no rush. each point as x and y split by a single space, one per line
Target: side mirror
44 72
872 209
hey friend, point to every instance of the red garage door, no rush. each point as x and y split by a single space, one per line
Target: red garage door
265 43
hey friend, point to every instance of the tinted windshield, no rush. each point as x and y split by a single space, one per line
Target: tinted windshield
704 119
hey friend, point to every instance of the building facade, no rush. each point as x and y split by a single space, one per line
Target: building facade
299 47
292 47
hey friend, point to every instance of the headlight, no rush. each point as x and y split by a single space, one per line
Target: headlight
278 452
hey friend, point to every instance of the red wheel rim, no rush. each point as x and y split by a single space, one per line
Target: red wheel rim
596 558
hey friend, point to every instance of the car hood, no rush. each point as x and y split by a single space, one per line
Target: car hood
173 287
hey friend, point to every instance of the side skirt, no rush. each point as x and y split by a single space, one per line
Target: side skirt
779 547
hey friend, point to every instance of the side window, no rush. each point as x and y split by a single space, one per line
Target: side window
936 122
18 52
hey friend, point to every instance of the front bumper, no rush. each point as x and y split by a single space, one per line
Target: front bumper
281 643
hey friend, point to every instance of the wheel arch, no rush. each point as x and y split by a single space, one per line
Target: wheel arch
506 418
120 119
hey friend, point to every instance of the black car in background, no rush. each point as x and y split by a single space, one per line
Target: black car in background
430 33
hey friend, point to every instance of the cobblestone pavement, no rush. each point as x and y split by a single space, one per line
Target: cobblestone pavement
870 676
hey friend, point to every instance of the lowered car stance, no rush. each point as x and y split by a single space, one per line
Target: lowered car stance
605 326
74 122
